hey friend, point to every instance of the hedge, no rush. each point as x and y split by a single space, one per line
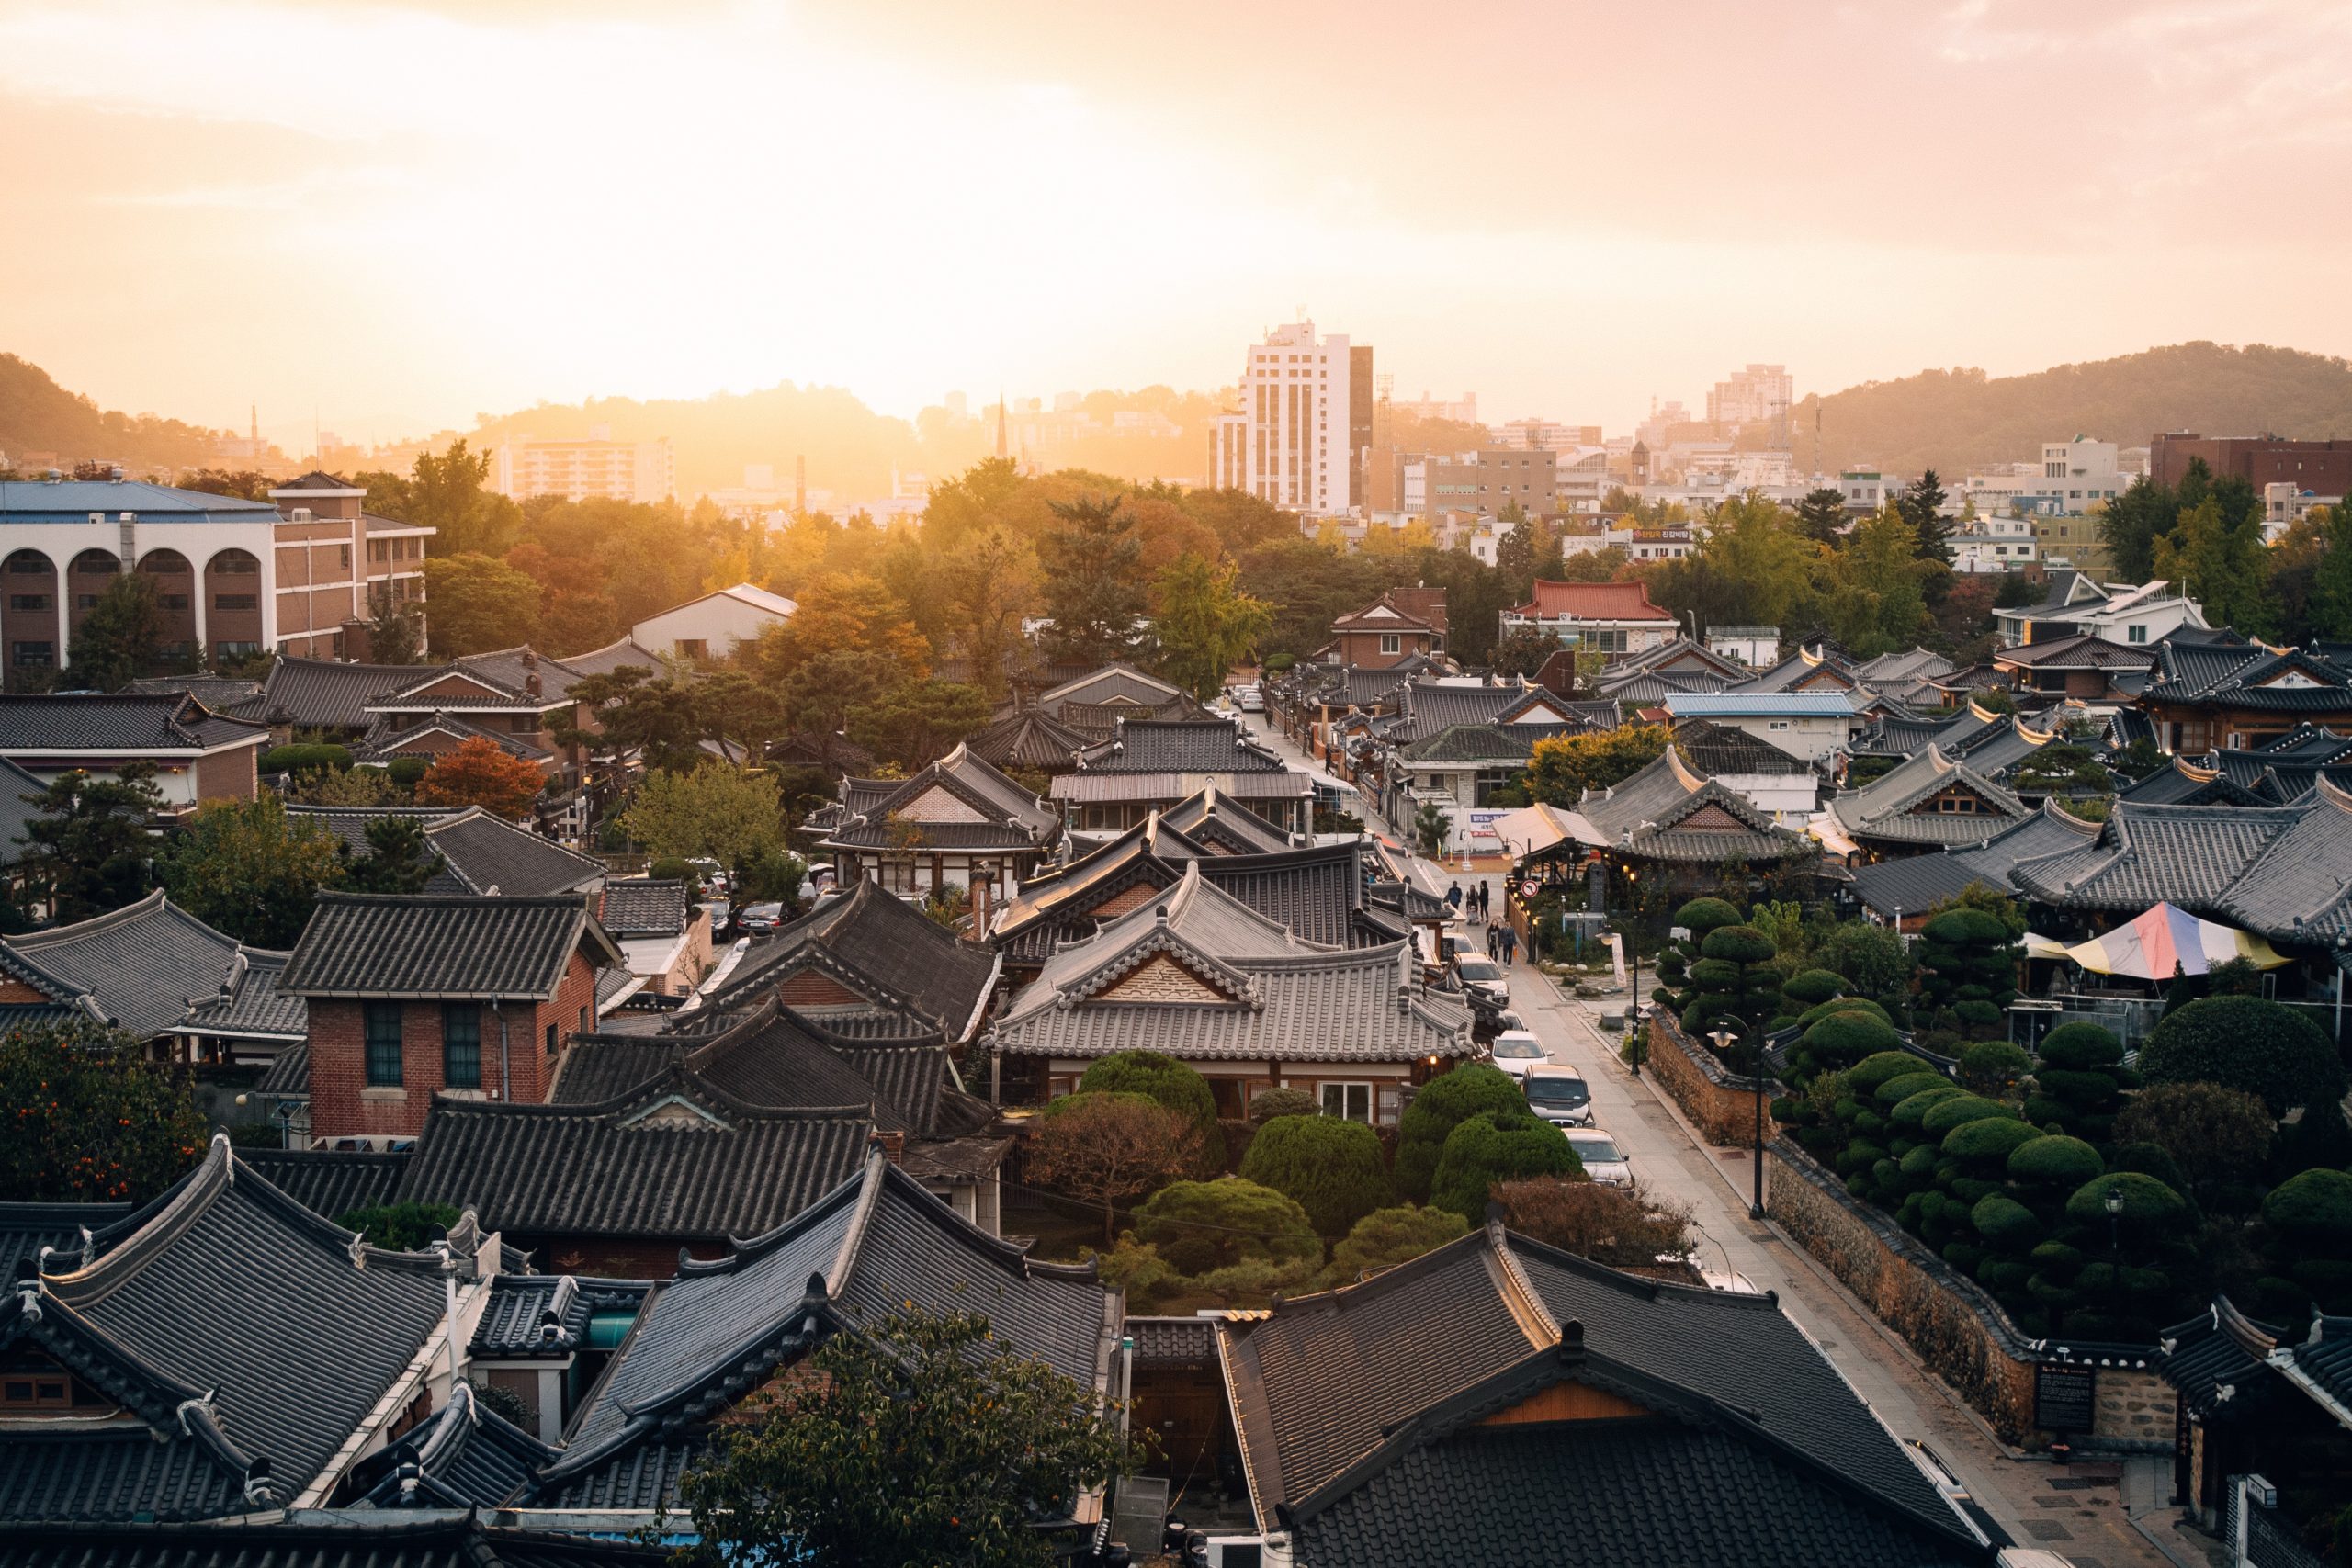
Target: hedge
1329 1164
1867 1076
1444 1103
2316 1207
1946 1115
2055 1160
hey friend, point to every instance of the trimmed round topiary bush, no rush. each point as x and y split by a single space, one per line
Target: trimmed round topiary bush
406 771
1947 1114
1992 1066
1737 944
1281 1100
1813 1015
1329 1164
1442 1104
2081 1047
1492 1146
1988 1143
1174 1083
2263 1047
1716 975
2147 1203
1844 1039
1703 915
1908 1111
1865 1076
2005 1224
1201 1226
2315 1208
1814 987
2053 1161
1901 1087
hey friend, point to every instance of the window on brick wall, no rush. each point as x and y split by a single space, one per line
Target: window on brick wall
461 1045
552 1038
381 1024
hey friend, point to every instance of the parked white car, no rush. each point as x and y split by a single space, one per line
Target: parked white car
1603 1161
1517 1052
1249 699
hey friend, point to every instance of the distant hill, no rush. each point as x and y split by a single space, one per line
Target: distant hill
39 415
1952 419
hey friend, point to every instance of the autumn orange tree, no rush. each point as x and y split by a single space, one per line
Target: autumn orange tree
1107 1149
479 773
91 1118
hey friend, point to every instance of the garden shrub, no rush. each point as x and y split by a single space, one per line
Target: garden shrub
1844 1039
1987 1144
1814 987
1329 1164
2147 1203
2054 1163
1442 1104
1919 1079
1198 1226
1908 1111
1813 1015
2265 1048
1865 1075
1993 1067
1946 1115
306 758
1497 1145
1281 1100
1174 1083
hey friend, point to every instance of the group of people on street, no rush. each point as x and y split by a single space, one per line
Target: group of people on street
1502 942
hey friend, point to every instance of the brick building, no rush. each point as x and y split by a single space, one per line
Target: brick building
2323 467
414 997
1402 623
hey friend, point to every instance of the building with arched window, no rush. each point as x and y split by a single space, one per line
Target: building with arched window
302 573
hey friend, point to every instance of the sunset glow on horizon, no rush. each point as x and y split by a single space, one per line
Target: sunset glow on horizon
395 216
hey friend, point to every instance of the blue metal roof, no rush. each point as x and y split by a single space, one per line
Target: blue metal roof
72 501
1749 704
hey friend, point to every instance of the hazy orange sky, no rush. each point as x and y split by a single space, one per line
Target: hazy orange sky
401 214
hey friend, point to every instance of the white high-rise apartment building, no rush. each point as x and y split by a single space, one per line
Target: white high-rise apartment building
597 468
1759 395
1290 444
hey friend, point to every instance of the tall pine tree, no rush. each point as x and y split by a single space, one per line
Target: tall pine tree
1092 567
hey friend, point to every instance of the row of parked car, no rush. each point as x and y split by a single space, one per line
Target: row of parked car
1560 1096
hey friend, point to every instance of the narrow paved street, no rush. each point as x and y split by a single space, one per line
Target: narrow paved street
2086 1512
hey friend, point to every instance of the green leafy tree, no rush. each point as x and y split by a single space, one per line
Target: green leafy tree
823 693
1871 958
2217 1136
92 1119
480 602
657 717
1561 768
2265 1048
400 1227
1203 1227
1386 1237
1496 1146
1921 505
990 584
2223 563
2133 524
1331 1165
1431 826
1877 602
121 636
919 1439
1176 1085
1442 1104
450 492
2331 600
246 868
88 849
1107 1149
1968 958
1206 624
1523 650
720 811
1091 563
399 858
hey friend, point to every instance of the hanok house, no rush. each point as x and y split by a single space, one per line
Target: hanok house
1403 623
1905 890
514 692
856 959
959 823
1928 802
414 997
664 935
2085 667
712 1343
1610 618
769 1057
2204 698
1029 739
228 1352
1500 1402
1199 976
623 1186
198 755
1149 766
1667 824
476 850
150 969
2259 1400
1320 893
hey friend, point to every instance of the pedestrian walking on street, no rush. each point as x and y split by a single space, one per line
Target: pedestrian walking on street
1486 899
1453 896
1511 944
1494 942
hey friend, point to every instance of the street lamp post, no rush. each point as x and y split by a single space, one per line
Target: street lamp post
2114 1204
1723 1039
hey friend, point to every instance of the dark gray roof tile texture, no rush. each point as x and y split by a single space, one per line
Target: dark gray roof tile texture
25 1228
639 907
426 947
329 1184
353 1541
142 963
890 941
1204 746
106 1475
253 1006
161 723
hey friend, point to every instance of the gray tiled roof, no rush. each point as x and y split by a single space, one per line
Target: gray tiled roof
447 947
519 1305
1427 707
611 657
675 1161
465 1455
168 724
1111 684
1011 819
1919 882
385 739
1713 749
139 966
221 694
2184 783
2299 889
1288 1000
1200 745
232 1286
2241 678
1650 816
25 1228
1216 820
640 906
2189 855
479 850
902 953
329 1184
1886 808
342 1540
248 1005
873 1243
1792 671
1499 743
15 811
1030 737
326 694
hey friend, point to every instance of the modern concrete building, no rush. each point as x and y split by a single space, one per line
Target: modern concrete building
1758 394
711 626
1295 442
2071 477
233 576
598 467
